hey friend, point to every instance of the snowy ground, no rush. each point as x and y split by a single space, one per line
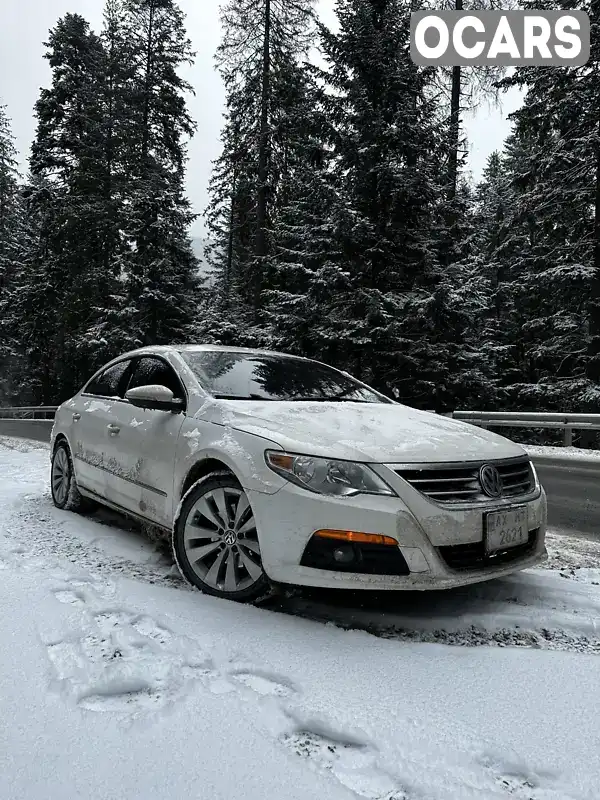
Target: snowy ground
116 681
561 452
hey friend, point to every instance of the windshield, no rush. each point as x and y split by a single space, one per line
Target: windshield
245 376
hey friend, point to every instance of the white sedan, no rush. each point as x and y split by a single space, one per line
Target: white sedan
269 469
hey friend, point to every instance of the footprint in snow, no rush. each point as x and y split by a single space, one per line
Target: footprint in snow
515 785
70 597
351 763
126 663
519 783
147 627
123 694
80 591
263 682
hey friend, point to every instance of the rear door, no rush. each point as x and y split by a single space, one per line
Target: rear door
142 452
93 414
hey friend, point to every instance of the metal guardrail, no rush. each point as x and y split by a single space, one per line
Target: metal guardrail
28 422
524 419
28 412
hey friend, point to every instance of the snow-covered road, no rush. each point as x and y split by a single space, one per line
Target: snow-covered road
116 681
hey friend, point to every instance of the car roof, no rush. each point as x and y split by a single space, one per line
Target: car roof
198 348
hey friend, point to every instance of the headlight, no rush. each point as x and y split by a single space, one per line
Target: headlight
326 476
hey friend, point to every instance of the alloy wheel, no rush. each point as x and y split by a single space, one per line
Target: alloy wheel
221 542
61 476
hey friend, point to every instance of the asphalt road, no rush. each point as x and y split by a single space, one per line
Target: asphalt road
572 485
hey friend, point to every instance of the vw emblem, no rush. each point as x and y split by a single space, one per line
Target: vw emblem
491 480
230 538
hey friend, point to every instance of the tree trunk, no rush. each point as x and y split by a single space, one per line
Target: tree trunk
229 265
593 364
147 86
454 124
261 212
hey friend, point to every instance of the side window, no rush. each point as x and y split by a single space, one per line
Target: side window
110 382
149 371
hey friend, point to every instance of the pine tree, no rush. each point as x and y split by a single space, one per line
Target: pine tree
12 231
551 239
159 270
534 233
260 60
362 223
67 167
463 88
109 262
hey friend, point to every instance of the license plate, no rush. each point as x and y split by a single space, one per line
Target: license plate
506 529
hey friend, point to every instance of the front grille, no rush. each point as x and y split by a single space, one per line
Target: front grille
459 483
472 556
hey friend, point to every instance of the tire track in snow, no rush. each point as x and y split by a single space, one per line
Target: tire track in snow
470 636
55 537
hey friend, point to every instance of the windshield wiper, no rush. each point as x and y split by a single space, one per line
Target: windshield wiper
333 399
242 397
301 399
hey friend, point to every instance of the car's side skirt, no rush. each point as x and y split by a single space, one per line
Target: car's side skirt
116 507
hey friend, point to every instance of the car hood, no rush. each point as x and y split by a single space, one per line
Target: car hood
373 432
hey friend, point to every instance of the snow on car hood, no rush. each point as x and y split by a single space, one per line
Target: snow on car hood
375 432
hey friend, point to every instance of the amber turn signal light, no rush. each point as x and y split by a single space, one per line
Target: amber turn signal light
356 537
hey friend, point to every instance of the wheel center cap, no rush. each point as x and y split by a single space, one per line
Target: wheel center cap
229 537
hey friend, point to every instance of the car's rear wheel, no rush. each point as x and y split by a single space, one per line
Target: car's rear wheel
63 485
215 541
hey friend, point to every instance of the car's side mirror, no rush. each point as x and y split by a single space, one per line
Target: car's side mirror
155 397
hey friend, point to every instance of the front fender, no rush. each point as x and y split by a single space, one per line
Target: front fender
242 453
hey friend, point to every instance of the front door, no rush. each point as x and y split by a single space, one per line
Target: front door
142 446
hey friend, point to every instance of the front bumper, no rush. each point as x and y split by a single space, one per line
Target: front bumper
423 529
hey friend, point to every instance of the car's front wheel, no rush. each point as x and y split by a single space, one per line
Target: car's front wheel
215 540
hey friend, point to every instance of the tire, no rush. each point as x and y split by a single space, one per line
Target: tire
63 486
215 541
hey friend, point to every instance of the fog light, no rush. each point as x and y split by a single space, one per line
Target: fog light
343 555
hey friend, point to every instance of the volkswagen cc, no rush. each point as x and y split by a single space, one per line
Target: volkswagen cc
268 469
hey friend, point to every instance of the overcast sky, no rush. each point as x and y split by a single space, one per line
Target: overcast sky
24 25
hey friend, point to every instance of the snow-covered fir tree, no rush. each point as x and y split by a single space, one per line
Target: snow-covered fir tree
12 247
261 59
66 163
159 269
360 278
107 211
550 240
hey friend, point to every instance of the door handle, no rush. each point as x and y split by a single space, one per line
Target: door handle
76 417
113 429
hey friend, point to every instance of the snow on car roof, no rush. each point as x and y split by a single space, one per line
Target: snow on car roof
191 348
203 348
